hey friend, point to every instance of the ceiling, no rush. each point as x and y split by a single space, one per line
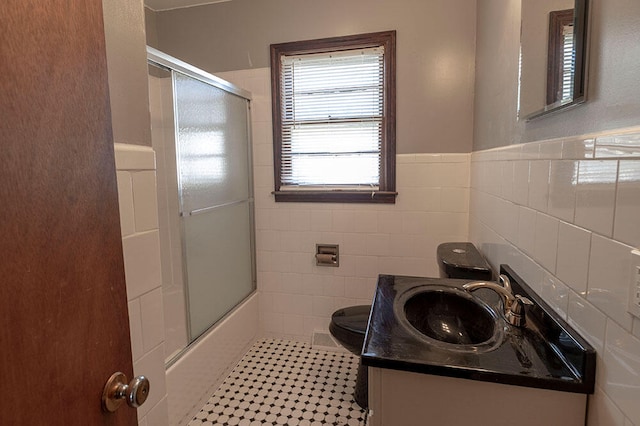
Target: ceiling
158 5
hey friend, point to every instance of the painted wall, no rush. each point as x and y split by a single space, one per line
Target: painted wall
496 84
435 52
125 41
613 87
151 27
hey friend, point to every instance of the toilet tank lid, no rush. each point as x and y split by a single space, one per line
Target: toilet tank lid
462 255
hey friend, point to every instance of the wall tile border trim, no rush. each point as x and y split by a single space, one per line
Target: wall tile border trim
612 144
134 157
432 158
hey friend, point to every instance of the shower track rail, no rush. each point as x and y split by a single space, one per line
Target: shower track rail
175 64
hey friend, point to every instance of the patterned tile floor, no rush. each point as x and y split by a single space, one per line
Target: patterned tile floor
280 382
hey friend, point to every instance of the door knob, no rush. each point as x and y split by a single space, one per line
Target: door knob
117 390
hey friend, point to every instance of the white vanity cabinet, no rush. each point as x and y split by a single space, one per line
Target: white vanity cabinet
400 398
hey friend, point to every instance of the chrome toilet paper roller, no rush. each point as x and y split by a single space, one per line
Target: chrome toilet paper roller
327 255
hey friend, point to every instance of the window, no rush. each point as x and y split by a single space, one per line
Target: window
334 119
568 62
561 57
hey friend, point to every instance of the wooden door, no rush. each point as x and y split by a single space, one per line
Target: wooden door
64 327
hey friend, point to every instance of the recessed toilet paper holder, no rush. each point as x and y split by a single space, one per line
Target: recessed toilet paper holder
328 255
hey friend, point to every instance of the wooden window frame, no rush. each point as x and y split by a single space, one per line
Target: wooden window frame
387 186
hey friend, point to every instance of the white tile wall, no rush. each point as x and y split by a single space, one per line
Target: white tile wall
142 262
574 248
546 241
588 320
622 370
595 195
609 277
151 364
539 185
563 179
145 201
573 244
298 297
141 246
626 227
556 293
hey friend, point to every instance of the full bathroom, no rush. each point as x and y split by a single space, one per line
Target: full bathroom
240 287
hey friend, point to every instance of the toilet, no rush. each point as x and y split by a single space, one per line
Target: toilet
348 325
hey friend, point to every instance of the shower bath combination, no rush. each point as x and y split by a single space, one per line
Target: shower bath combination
201 136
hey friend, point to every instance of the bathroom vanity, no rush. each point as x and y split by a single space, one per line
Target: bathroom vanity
452 366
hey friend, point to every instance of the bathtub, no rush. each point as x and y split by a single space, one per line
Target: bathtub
193 378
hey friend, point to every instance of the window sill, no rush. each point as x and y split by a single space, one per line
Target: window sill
374 197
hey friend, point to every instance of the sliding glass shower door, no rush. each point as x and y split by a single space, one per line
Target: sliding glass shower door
201 136
215 198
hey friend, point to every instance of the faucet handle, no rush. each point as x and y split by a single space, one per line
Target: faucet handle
518 304
515 314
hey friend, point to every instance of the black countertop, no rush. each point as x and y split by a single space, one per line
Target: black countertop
547 353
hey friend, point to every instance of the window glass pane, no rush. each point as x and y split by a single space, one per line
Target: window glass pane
356 103
568 63
335 137
333 170
328 88
332 114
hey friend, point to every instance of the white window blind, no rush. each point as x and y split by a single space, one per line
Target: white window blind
568 62
332 109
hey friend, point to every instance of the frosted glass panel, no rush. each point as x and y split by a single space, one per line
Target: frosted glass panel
205 197
212 144
219 266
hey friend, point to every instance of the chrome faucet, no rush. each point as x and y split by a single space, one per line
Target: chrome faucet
514 311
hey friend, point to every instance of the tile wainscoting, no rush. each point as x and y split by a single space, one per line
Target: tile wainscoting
298 297
565 214
136 171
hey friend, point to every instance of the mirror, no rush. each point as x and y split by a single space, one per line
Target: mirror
553 46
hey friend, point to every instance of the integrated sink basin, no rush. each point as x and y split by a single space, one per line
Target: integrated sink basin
449 318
